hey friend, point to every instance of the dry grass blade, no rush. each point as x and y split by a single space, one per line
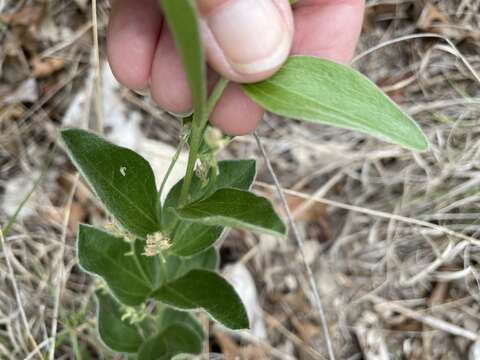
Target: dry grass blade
300 243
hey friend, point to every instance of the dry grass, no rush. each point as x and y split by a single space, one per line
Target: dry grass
393 237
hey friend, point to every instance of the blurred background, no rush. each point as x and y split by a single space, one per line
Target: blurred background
393 237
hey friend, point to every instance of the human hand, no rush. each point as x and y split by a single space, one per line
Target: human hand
245 41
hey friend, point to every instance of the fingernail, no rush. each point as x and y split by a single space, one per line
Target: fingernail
143 92
251 33
180 115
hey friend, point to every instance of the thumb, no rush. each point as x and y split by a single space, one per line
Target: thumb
246 40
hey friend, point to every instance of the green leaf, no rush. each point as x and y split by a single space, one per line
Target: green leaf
236 174
168 316
174 340
190 238
183 22
235 208
176 267
316 90
118 335
209 291
130 275
121 178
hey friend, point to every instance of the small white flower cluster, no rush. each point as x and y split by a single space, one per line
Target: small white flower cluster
156 243
117 231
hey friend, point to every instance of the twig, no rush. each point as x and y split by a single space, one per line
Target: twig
37 349
381 214
16 290
61 270
426 319
98 79
454 51
300 243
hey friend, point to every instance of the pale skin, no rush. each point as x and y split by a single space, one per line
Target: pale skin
245 41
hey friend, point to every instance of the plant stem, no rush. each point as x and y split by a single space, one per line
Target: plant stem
215 95
198 126
139 265
196 138
183 141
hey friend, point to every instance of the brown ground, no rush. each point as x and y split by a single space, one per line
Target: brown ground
393 237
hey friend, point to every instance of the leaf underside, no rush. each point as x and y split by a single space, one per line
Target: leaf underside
322 91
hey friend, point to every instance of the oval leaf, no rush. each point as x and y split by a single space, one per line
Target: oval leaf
209 291
316 90
121 178
182 19
112 258
176 339
115 333
235 208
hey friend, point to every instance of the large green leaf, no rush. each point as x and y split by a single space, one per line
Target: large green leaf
174 340
182 19
189 237
130 275
235 208
121 178
119 335
316 90
209 291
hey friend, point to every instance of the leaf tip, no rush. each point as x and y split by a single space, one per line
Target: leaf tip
420 143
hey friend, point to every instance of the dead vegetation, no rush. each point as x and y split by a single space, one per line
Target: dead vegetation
393 237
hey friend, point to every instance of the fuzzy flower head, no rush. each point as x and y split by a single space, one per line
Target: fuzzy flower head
156 243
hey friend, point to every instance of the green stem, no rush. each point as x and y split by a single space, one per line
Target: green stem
181 145
137 262
192 158
74 342
198 126
215 95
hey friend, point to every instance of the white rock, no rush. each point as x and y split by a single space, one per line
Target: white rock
241 279
474 353
27 91
15 191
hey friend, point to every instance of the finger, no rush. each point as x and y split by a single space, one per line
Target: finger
246 40
132 37
235 113
168 84
328 28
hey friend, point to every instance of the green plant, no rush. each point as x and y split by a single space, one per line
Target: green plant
157 260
